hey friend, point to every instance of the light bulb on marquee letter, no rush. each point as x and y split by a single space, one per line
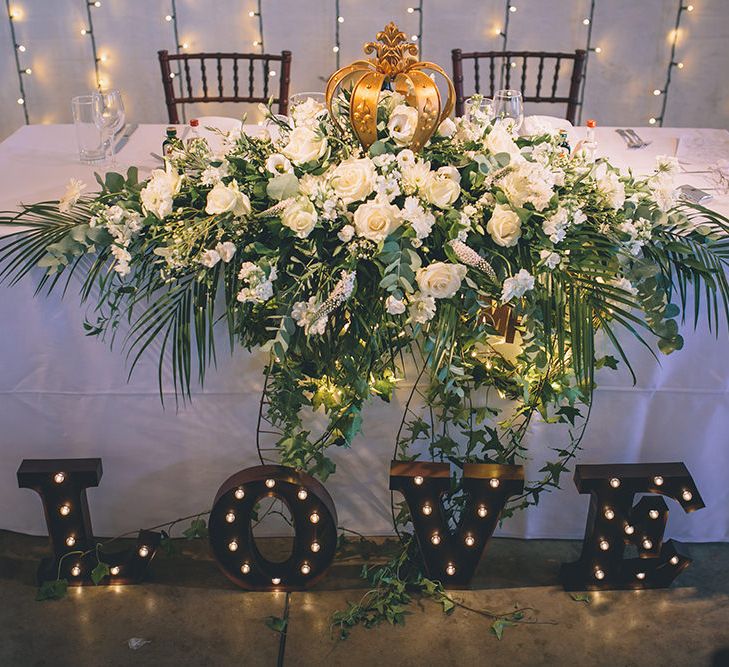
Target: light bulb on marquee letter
313 517
614 522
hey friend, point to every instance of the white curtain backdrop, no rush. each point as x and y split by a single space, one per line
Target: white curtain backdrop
633 36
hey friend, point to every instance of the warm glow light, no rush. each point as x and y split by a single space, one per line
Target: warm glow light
276 581
629 530
245 568
451 569
411 10
640 575
604 545
340 19
470 540
647 544
335 49
418 479
435 539
272 73
115 570
599 574
482 511
657 92
302 494
21 48
233 546
70 541
230 517
270 483
687 495
598 49
143 551
652 121
185 45
305 568
679 65
585 21
658 480
65 510
609 514
75 570
251 13
615 482
689 8
427 510
168 17
414 38
673 560
653 514
27 70
240 493
315 546
314 518
59 477
512 9
494 483
172 75
84 31
21 100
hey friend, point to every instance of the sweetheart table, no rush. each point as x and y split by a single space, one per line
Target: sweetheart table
65 395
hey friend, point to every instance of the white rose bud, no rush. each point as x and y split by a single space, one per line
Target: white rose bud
353 180
443 188
300 217
504 226
440 279
346 233
209 258
376 220
447 128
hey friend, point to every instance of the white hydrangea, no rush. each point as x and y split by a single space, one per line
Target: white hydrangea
420 220
528 183
258 287
639 231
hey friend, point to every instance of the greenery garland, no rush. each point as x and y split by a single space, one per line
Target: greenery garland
349 266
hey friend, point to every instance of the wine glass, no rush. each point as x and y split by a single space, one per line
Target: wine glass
479 109
298 98
109 118
509 106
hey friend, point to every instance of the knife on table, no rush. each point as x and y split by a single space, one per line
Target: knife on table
129 130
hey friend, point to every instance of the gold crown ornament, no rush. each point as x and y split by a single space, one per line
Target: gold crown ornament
396 62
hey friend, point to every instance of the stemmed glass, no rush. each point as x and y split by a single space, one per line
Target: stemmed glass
509 105
109 117
479 109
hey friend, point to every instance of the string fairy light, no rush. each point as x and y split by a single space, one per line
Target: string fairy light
672 62
509 9
417 37
258 14
88 31
18 49
588 21
338 20
171 18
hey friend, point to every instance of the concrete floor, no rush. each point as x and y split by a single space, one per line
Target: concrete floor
194 616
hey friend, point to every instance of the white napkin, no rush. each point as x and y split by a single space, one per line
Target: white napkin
535 125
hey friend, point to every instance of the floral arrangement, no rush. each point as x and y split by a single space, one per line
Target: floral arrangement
348 266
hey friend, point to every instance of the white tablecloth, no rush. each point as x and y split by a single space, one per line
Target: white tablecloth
66 395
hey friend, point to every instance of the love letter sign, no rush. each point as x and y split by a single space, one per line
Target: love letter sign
452 556
614 522
61 485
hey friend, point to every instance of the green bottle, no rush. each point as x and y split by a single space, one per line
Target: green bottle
171 142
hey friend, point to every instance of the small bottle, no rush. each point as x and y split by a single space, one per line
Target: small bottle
590 143
170 143
194 124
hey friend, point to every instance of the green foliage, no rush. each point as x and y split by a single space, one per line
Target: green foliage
100 571
277 624
54 589
198 530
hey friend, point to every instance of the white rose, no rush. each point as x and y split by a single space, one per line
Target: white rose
279 164
226 250
447 128
209 258
443 188
504 226
440 279
394 306
304 146
227 199
353 180
300 217
402 124
517 286
499 140
376 220
421 308
71 195
346 233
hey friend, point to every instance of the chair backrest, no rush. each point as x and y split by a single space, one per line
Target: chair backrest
238 70
501 68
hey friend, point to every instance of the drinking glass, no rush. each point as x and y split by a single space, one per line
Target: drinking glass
109 118
479 109
298 98
88 136
509 105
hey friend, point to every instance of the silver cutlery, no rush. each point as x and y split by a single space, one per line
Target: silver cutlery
129 130
641 142
631 143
